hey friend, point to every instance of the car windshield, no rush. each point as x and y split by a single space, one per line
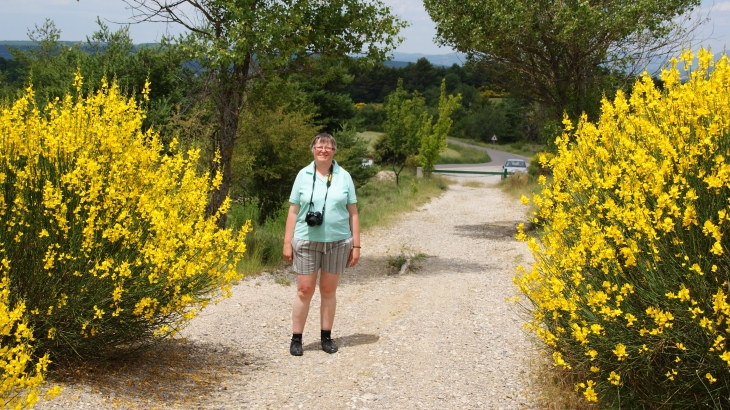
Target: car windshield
520 164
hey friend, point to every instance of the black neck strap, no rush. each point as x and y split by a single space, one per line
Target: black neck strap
329 182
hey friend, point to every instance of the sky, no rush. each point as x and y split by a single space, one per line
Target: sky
77 19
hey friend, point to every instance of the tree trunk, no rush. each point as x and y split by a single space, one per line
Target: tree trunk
228 95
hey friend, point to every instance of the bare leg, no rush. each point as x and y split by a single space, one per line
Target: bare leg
300 307
328 291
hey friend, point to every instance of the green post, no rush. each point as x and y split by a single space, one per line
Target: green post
504 174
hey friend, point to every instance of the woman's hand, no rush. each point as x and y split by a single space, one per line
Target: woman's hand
354 257
291 221
288 252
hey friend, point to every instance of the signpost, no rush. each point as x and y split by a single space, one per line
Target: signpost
494 139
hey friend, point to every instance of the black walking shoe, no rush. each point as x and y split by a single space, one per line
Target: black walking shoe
329 346
296 348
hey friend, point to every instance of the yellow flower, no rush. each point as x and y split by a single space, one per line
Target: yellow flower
558 361
620 352
614 378
590 393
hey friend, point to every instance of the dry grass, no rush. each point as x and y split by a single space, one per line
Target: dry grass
516 184
370 137
553 387
450 153
473 184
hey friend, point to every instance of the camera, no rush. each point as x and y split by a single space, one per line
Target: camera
313 218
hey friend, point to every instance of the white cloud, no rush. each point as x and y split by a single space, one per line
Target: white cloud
723 6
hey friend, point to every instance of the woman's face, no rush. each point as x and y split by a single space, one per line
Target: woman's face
323 152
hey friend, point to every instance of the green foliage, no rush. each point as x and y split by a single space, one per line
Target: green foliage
373 84
410 136
265 241
51 65
323 85
402 138
505 119
433 137
351 150
369 117
561 53
275 146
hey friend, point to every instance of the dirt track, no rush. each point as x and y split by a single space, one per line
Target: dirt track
440 337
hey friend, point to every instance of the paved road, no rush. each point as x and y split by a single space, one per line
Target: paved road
498 159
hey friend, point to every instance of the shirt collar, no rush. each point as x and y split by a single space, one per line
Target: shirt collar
310 168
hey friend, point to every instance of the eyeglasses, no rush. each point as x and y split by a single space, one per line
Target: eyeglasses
323 149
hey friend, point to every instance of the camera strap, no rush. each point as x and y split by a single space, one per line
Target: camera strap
329 182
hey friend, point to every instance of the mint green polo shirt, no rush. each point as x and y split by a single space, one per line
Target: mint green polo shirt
336 223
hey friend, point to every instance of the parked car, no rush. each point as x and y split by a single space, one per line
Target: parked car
515 165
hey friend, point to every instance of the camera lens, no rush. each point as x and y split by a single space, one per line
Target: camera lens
313 218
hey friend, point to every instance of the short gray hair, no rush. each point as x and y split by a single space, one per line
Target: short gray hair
324 138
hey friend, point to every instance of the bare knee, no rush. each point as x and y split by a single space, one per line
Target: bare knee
328 290
305 291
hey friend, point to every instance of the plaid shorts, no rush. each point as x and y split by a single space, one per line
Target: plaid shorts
310 256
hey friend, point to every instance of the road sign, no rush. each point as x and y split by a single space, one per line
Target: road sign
494 139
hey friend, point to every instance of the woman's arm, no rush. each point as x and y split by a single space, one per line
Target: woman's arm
355 228
291 221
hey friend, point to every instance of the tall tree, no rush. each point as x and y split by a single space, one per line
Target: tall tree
242 42
433 136
402 126
556 50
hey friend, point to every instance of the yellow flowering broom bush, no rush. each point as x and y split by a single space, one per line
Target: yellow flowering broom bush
103 231
631 281
22 376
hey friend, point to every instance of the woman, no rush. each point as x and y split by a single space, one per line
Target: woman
322 234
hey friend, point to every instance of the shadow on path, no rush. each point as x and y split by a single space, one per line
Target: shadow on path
500 230
356 339
173 372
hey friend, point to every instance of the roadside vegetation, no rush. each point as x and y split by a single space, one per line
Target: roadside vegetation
459 154
525 149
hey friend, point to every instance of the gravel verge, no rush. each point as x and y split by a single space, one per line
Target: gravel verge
441 336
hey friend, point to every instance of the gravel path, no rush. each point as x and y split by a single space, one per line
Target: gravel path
440 337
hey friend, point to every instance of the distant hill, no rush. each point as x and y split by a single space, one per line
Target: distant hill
446 60
399 59
5 46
